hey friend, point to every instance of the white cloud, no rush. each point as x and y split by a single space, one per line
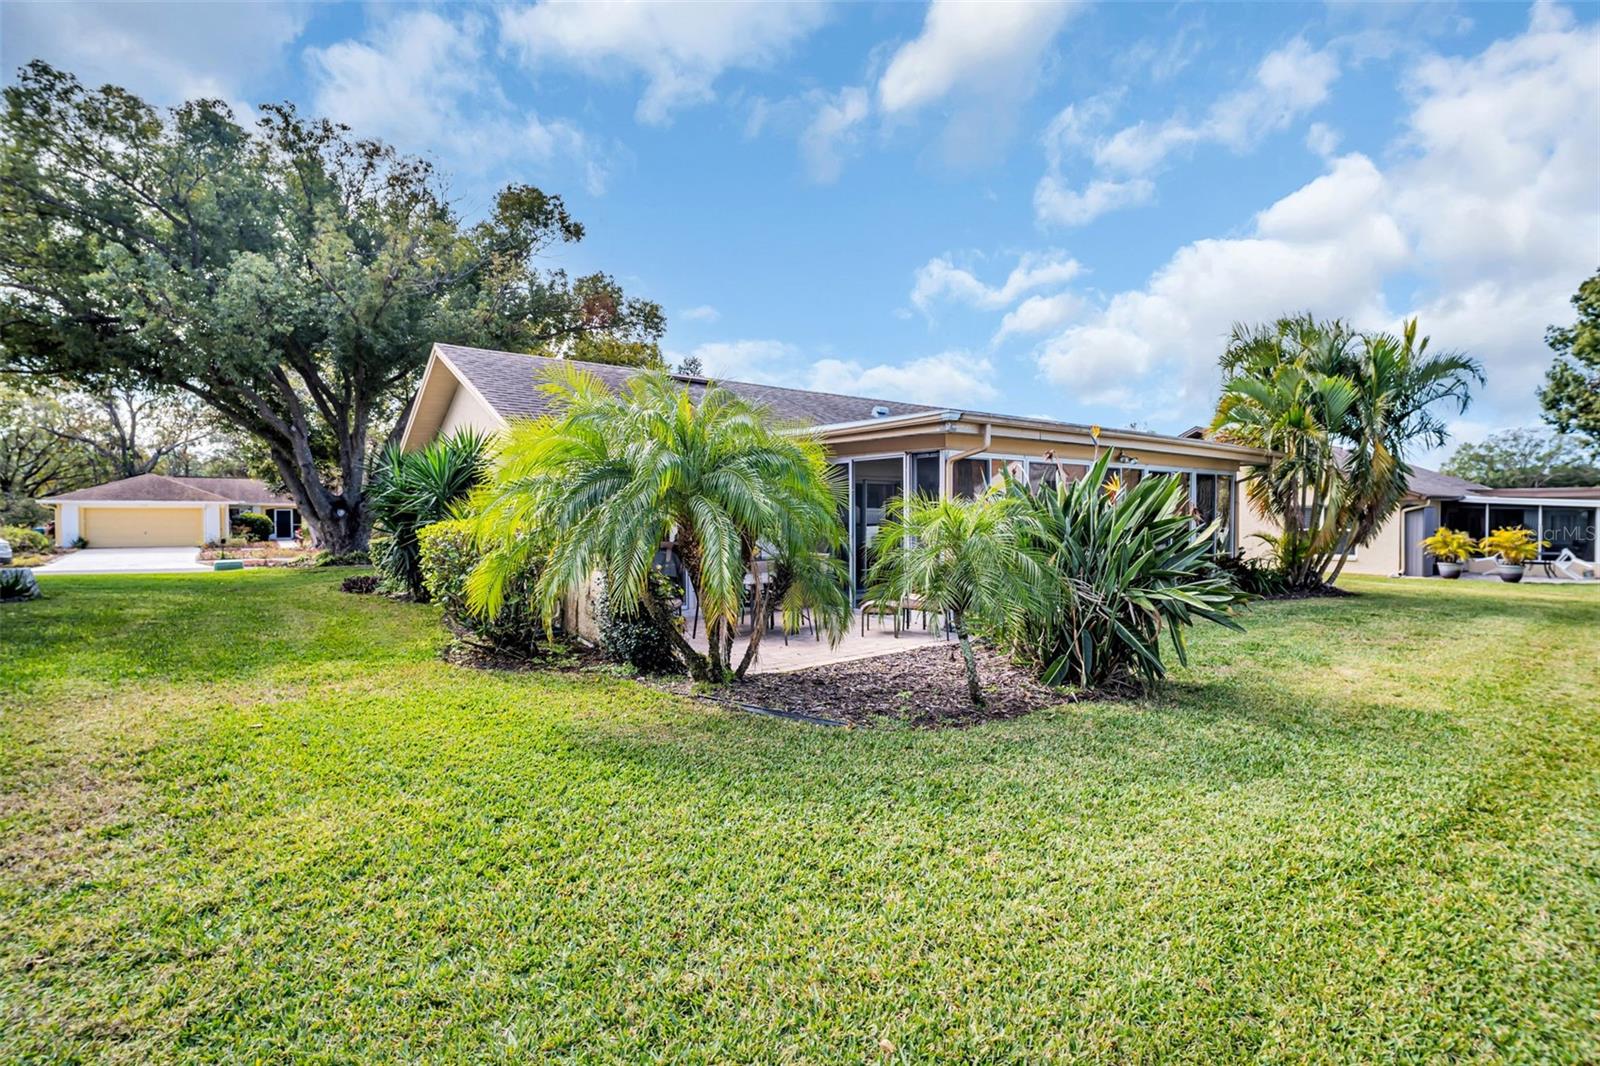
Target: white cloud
681 49
954 377
1038 314
835 125
1322 139
1054 202
167 53
992 48
1487 216
703 313
768 361
941 279
419 80
1287 83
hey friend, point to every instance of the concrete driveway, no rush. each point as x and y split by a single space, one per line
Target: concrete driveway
127 561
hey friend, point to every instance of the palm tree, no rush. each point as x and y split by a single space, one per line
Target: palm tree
966 558
1398 383
410 490
600 484
1341 410
1295 413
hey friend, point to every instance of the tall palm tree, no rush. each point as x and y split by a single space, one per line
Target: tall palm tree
1341 410
1399 386
967 558
607 478
410 490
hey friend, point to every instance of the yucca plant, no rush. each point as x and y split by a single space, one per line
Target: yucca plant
1123 571
409 490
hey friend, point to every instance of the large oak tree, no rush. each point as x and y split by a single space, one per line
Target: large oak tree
290 276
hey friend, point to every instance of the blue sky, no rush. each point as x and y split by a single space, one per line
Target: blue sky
1051 209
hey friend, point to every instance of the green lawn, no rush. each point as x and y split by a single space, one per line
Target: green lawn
248 817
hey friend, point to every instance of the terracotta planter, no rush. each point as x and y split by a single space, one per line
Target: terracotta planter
1448 571
1509 572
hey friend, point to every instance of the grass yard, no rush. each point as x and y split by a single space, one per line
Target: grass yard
249 817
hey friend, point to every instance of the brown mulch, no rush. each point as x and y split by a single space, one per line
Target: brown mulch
1316 593
926 687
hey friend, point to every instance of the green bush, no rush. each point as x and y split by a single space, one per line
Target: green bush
447 556
25 541
1253 576
328 558
252 526
635 638
1128 570
410 490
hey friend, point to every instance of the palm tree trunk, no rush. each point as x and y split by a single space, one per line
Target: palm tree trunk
758 628
974 690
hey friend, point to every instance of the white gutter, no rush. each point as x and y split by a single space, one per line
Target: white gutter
950 463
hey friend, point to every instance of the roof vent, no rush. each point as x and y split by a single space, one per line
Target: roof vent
880 411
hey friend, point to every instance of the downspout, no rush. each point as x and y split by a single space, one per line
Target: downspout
950 463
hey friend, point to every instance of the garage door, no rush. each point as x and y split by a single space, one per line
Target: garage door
140 527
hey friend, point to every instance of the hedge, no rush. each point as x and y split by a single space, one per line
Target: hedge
448 557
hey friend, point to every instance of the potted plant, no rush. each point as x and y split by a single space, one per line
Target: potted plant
1451 549
1512 549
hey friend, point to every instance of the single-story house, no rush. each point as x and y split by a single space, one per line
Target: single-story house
156 511
879 447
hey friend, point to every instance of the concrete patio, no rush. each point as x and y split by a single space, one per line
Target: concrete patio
804 650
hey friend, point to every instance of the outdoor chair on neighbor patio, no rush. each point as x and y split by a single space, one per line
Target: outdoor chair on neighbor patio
1571 567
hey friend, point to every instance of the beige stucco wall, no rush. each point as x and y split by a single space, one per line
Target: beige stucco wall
467 411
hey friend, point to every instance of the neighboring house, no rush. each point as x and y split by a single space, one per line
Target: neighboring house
1567 518
153 511
879 447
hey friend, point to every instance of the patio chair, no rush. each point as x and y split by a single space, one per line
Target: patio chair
878 608
1571 567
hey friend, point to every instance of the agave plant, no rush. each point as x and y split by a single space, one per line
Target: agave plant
410 490
1125 570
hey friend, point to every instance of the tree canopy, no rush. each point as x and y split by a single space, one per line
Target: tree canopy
291 277
1526 458
1571 392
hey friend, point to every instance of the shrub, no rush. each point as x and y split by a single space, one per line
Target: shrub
448 555
1254 577
633 637
360 583
18 584
252 526
1449 545
1514 546
328 558
410 490
1125 571
25 541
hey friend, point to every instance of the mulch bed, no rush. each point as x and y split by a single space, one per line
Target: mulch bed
926 687
1316 593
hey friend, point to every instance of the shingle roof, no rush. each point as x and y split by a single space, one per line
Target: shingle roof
510 383
162 489
1425 482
